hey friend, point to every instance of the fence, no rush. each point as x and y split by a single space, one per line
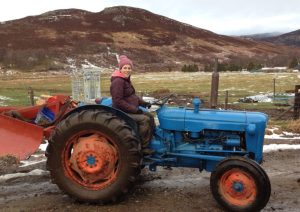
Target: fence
293 101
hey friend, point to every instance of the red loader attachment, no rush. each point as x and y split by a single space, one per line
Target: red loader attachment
22 129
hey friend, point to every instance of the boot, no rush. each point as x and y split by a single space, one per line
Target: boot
147 151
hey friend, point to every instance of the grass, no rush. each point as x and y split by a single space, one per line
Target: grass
17 89
280 125
293 126
237 84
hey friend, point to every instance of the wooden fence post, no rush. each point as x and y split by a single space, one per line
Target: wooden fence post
214 86
297 102
274 87
226 100
31 95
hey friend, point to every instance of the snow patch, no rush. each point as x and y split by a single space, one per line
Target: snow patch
277 136
43 147
34 172
89 65
284 135
276 147
267 97
5 98
29 163
257 98
149 99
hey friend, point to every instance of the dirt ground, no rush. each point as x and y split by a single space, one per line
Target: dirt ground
179 189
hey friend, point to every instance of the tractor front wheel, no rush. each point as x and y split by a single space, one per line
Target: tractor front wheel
94 156
240 184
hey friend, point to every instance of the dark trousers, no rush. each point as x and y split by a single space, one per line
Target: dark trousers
146 127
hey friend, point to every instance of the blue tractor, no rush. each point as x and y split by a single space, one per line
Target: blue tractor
94 154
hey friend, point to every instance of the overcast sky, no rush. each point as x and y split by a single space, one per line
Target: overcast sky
230 17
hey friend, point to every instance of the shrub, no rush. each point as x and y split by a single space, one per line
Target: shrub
293 63
223 67
294 126
190 68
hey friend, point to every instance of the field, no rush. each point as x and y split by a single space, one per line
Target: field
14 88
238 85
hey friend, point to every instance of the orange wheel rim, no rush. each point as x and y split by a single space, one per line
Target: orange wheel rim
237 187
91 159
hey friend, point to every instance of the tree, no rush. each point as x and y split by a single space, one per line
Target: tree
207 68
250 66
184 68
293 63
234 67
190 68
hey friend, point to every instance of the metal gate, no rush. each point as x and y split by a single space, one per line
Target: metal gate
86 85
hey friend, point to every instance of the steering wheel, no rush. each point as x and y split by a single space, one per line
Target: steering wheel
163 100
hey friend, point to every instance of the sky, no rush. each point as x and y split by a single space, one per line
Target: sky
228 17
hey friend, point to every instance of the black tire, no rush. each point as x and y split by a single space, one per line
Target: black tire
248 176
119 136
267 185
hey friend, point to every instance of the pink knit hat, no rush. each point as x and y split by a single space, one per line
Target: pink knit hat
123 60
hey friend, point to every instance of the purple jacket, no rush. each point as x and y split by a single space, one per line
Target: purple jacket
123 93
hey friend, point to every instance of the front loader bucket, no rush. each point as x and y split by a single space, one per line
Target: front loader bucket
22 129
19 138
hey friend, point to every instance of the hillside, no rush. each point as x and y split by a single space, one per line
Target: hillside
291 39
261 36
154 42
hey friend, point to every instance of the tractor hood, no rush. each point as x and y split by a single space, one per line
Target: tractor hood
184 119
251 124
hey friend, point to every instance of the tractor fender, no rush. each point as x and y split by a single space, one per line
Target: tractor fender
112 110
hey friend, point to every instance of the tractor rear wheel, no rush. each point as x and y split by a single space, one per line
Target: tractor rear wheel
240 184
94 156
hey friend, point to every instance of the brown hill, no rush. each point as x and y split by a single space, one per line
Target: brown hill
154 42
291 39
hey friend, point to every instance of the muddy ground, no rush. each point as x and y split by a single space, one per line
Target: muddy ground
179 189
